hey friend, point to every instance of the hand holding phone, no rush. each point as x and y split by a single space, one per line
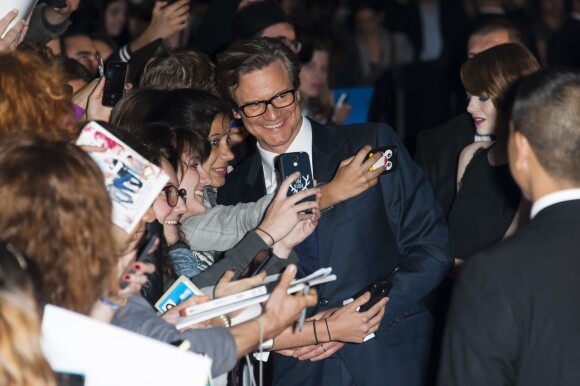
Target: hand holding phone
388 161
379 290
289 163
115 79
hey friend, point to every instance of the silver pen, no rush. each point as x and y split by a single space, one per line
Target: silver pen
303 316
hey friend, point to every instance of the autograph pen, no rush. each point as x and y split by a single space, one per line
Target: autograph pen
303 316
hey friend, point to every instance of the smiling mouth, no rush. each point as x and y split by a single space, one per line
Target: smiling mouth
171 222
478 121
274 127
198 193
220 171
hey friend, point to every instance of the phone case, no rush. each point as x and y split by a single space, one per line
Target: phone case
388 161
289 163
116 77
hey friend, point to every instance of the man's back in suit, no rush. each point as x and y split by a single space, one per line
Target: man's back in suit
515 315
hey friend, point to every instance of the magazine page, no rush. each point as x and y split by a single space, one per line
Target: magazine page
132 181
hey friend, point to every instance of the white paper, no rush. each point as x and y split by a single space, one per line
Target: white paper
24 7
110 356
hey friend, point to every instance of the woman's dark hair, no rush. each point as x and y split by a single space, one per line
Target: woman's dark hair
190 108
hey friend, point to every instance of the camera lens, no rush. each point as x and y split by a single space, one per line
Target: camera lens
294 159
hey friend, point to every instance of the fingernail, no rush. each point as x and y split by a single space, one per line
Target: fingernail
126 277
137 266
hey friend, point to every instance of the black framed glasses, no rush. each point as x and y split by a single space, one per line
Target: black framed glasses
172 195
279 101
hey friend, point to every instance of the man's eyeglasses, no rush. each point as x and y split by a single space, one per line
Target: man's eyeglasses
172 195
254 109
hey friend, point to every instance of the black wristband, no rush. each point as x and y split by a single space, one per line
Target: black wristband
314 327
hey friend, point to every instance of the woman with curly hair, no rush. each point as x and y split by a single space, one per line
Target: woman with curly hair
34 98
55 208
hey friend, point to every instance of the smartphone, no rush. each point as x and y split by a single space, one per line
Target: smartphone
149 245
115 79
379 290
388 161
257 264
289 163
69 379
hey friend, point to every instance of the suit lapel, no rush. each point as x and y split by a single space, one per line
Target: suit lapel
327 155
254 187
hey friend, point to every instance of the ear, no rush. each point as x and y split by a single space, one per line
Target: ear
236 114
297 96
523 152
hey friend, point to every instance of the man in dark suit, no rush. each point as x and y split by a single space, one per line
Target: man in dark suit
514 318
395 223
438 148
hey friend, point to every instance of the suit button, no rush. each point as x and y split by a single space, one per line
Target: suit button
323 302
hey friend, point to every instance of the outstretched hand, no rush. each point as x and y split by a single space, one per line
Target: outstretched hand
227 286
168 19
352 178
281 309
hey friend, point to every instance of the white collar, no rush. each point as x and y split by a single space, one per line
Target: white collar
302 142
554 198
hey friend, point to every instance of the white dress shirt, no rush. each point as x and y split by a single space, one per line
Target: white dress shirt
302 142
554 198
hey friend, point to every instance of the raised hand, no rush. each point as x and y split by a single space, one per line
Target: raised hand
284 212
351 179
15 35
168 19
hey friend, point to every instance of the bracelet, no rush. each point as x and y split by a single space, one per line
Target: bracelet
328 329
227 321
110 303
314 327
267 234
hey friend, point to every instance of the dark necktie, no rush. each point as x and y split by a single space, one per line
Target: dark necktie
307 252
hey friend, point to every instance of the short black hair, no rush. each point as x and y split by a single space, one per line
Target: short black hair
546 112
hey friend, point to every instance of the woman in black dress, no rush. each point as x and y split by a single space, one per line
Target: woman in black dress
488 204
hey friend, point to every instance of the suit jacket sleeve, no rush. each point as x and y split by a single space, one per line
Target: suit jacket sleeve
418 224
481 336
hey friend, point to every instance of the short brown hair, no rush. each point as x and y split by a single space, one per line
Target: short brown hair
180 68
492 71
546 112
249 55
34 98
55 208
